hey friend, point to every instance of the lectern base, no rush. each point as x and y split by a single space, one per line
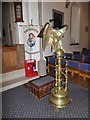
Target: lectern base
59 99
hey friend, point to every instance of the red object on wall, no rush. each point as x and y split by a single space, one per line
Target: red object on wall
30 66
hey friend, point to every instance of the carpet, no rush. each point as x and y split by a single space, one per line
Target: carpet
20 103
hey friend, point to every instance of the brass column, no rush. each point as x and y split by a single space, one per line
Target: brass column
59 94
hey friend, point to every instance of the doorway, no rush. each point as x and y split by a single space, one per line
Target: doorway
7 23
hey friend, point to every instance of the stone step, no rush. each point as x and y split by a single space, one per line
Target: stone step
13 74
6 85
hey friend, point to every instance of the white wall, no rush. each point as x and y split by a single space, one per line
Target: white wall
47 14
30 11
75 24
83 23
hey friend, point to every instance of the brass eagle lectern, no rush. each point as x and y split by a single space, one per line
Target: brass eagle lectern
59 96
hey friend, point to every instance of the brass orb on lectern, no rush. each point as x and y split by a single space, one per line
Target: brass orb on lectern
59 96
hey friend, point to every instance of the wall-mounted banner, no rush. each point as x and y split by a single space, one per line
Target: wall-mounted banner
31 39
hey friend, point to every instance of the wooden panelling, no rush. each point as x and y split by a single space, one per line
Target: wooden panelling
12 58
21 56
5 59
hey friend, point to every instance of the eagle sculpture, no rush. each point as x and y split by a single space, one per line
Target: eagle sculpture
52 36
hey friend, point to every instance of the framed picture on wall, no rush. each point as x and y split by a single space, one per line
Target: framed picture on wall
18 12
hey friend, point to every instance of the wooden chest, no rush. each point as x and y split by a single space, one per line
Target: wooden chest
41 86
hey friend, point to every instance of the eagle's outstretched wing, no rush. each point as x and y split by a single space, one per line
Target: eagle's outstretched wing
51 36
47 36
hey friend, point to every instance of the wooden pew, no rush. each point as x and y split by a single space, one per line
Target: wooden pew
84 75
